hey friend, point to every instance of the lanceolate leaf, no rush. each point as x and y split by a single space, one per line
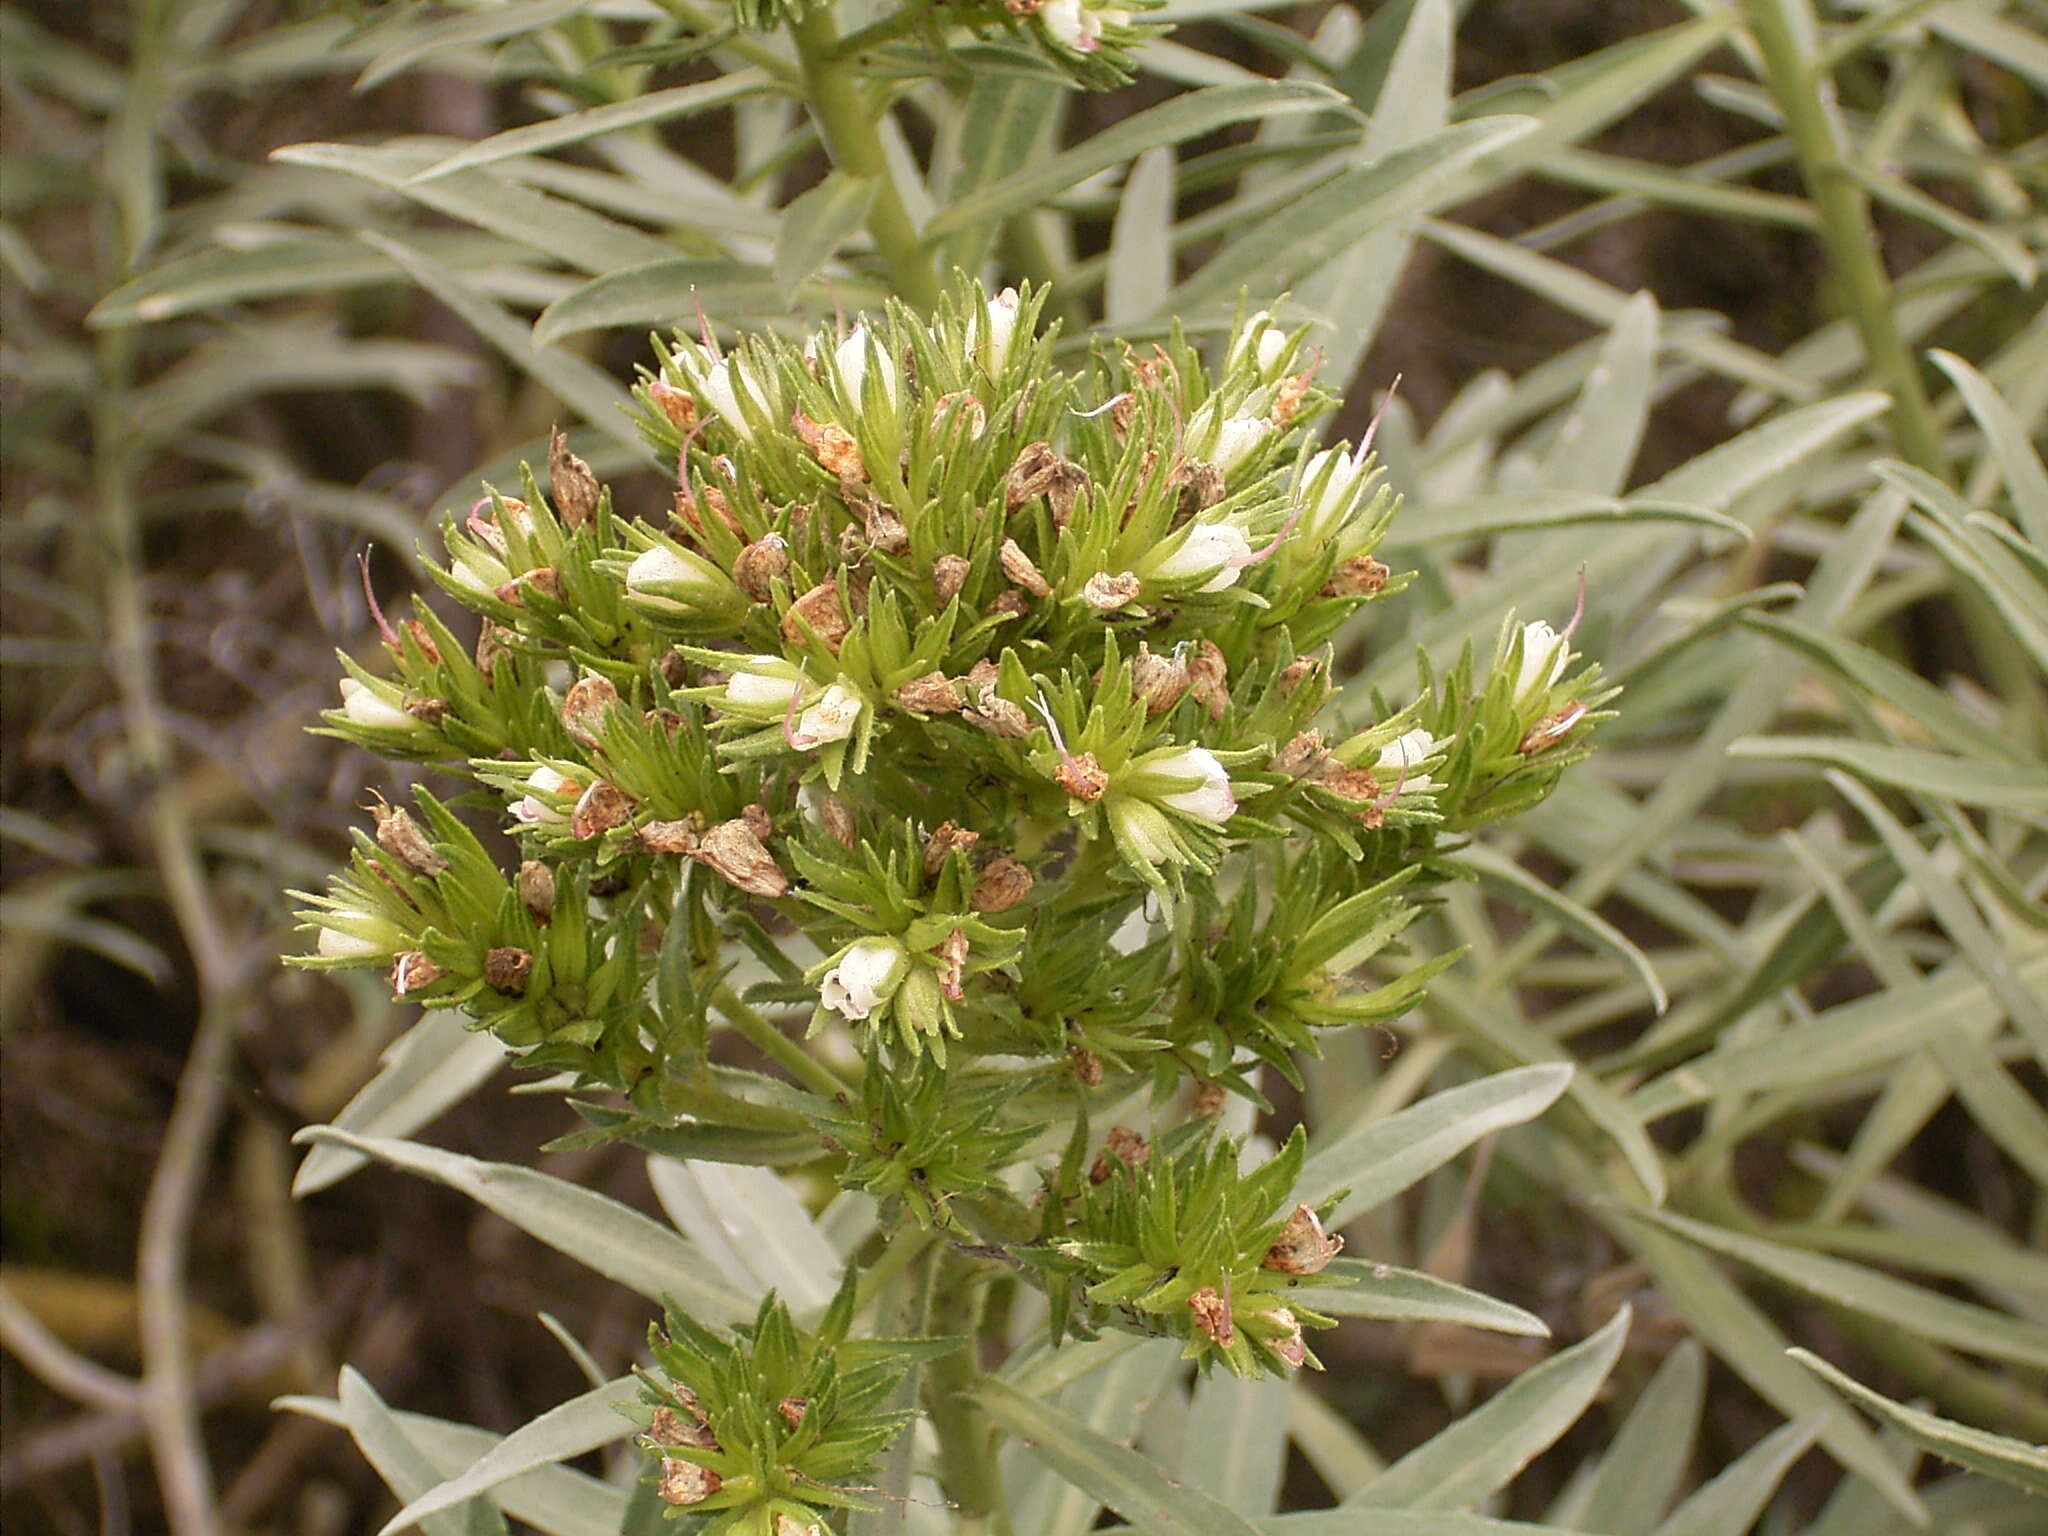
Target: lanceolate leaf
1388 1294
1978 1450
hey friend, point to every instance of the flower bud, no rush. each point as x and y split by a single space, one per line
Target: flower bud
668 1427
574 488
536 885
760 565
1545 655
1360 576
1208 799
506 970
791 1410
356 936
1087 1066
865 977
850 366
726 385
428 711
1290 1346
585 709
1303 1247
1399 759
733 849
762 682
1003 883
1550 730
400 836
665 580
989 332
839 824
1258 343
952 971
537 812
1215 550
366 706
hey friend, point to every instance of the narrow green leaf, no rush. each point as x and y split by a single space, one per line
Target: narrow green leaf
1385 1522
550 225
667 292
1140 247
2025 478
1473 517
1234 1446
1131 1484
1484 1450
1185 117
403 1466
1960 1324
2007 250
433 1065
1977 1450
491 25
1503 875
1006 124
814 225
1619 176
1325 220
566 1431
592 392
1598 439
752 1215
1378 1161
613 1239
1730 1503
1644 1465
1387 1294
1968 781
1844 1043
577 127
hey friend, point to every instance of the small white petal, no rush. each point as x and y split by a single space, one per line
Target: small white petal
1211 800
830 719
366 707
865 978
1545 654
337 945
755 684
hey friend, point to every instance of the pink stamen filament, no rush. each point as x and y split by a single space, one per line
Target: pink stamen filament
370 596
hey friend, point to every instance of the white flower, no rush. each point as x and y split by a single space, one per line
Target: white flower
724 384
830 719
1399 757
478 572
366 707
998 318
532 811
1331 480
1075 26
662 578
1210 800
1219 548
850 368
338 944
759 682
865 978
1262 340
1236 437
1545 654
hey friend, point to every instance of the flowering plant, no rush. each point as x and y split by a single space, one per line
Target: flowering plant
1002 692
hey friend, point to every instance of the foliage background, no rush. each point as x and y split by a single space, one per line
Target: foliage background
185 486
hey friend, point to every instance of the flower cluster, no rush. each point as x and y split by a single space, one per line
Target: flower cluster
972 715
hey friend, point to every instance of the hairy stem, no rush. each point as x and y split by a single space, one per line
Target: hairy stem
848 122
967 1453
1799 85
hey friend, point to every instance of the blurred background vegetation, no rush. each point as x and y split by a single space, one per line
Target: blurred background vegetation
217 397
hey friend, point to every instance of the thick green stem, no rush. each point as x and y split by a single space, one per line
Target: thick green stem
849 123
771 1042
1798 84
967 1453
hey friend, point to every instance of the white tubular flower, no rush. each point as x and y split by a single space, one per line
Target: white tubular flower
865 978
990 331
673 581
830 719
532 811
1209 800
1330 483
1219 548
1261 341
850 368
366 707
1545 655
1143 830
1399 758
761 681
724 384
1069 22
342 944
478 572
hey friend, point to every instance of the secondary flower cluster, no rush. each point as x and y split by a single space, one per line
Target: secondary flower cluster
975 712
